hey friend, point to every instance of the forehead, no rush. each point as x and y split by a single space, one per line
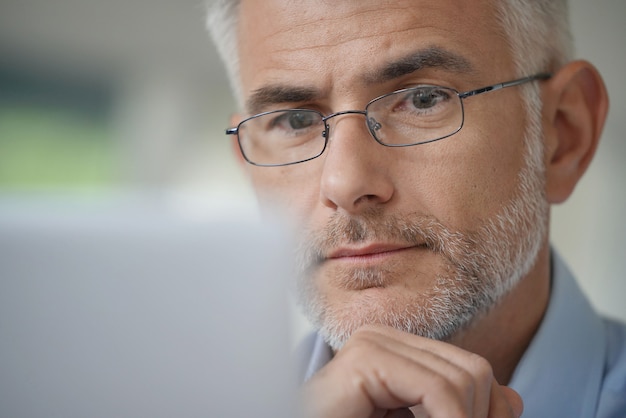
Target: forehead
337 45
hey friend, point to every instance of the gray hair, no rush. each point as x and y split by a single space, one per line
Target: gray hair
539 38
222 19
537 32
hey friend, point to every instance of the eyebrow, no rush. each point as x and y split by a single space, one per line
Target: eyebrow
278 93
431 57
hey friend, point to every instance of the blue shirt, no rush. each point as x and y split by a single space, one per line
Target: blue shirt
575 366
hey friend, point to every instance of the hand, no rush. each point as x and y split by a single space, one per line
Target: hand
381 372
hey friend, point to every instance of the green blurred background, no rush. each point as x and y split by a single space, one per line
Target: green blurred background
102 99
55 133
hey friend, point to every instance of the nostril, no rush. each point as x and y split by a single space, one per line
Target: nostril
368 198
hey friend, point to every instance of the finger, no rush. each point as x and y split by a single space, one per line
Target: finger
357 382
411 370
397 378
471 374
426 371
443 374
514 400
505 402
403 382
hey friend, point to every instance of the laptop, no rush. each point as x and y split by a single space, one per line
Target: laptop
139 313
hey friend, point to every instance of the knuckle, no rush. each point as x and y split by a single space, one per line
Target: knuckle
362 334
360 345
480 368
363 339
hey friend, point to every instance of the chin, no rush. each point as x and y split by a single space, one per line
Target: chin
430 315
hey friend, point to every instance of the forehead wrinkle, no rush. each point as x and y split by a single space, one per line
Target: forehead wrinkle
357 37
295 29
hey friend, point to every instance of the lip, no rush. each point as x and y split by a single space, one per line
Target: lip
369 251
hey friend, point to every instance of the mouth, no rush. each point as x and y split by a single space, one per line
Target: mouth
370 252
372 266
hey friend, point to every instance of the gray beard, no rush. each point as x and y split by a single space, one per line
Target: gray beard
481 266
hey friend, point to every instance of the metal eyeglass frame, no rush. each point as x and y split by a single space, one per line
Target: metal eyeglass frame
461 96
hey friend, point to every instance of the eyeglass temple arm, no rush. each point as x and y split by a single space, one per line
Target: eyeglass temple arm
540 76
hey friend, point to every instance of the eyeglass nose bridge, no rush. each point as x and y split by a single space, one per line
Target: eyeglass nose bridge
325 119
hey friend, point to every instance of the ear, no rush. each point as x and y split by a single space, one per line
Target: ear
235 119
575 108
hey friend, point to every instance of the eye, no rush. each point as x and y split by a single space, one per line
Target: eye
296 120
424 98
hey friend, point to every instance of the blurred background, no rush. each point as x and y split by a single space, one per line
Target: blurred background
117 100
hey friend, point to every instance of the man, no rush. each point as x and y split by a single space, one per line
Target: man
419 145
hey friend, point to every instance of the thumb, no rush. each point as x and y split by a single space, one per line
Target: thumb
514 400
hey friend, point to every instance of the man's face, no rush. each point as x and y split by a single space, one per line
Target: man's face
421 237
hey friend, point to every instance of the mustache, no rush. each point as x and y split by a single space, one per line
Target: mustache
413 229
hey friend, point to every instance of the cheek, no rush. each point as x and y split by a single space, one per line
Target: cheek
470 176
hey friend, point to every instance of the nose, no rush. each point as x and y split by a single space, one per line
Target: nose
357 170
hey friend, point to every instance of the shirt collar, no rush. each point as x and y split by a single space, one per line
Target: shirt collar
320 356
560 373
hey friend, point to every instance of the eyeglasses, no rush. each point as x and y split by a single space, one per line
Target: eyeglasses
403 118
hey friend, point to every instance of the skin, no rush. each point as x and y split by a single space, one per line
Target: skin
333 50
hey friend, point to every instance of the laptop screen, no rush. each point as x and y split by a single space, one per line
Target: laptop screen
142 315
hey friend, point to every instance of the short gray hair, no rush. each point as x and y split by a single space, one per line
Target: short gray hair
222 20
537 32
